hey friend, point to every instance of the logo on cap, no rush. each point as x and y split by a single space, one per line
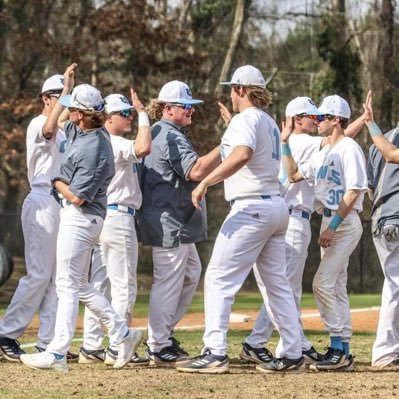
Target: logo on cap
124 100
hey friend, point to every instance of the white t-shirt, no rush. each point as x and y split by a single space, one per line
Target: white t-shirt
335 170
124 187
301 195
43 156
255 129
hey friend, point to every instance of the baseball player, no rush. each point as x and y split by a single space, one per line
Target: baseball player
382 171
252 232
339 176
82 182
300 200
40 219
169 221
118 237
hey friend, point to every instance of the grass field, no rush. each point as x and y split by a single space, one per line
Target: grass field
97 381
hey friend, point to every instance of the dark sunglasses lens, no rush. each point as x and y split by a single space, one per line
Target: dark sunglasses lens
125 113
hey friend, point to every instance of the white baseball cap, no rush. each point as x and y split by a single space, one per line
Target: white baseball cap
247 75
116 103
53 83
301 105
85 97
177 92
335 105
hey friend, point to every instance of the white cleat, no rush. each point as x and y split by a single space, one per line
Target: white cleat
44 360
127 347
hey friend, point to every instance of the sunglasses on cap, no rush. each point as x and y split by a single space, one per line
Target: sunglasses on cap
99 108
124 114
183 106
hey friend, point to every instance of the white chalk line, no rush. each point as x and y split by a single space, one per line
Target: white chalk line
247 318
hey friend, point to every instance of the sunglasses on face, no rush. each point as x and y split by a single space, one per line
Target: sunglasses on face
321 118
124 114
183 106
313 117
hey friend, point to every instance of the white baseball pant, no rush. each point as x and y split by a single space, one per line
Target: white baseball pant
77 236
120 253
176 275
386 345
253 232
93 330
297 240
36 290
329 282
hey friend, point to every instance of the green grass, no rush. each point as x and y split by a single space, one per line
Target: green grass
245 301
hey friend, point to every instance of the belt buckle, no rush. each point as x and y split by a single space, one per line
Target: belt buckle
327 212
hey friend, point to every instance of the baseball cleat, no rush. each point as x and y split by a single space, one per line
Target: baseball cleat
312 356
45 360
166 357
177 348
283 365
70 356
127 347
349 364
136 361
87 356
334 359
255 355
10 349
206 363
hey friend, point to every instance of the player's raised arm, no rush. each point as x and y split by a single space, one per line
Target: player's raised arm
387 149
293 173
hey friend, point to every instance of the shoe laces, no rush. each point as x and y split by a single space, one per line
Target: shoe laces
14 345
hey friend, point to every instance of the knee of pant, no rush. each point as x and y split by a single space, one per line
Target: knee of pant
321 287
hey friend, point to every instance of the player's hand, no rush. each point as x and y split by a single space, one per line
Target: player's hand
69 77
368 108
326 237
197 195
137 104
224 113
287 127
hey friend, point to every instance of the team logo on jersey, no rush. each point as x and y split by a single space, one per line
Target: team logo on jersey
255 216
94 221
124 99
331 163
188 91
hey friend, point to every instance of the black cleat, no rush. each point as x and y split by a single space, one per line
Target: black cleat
255 355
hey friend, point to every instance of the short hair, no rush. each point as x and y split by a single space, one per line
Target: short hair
344 122
155 109
92 119
260 97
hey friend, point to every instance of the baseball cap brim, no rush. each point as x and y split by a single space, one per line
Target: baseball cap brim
188 102
66 100
242 84
315 112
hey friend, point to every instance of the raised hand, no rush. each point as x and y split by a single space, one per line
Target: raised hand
368 108
137 104
287 127
69 77
224 113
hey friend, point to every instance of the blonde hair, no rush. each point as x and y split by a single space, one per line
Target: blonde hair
259 97
92 119
155 109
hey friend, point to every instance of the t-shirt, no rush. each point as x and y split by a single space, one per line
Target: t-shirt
300 195
43 156
124 187
335 170
167 216
385 185
255 129
87 167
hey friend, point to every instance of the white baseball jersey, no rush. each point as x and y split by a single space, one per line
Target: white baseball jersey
124 187
301 195
43 156
335 170
255 129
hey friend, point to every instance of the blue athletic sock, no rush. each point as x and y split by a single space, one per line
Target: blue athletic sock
345 347
58 357
336 343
